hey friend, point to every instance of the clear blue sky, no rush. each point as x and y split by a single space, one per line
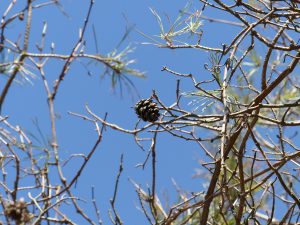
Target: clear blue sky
175 158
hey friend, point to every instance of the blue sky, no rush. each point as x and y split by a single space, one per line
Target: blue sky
27 103
176 159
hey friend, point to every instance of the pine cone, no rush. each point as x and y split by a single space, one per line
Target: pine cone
147 110
18 212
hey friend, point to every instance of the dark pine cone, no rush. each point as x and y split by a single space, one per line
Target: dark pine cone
18 212
147 110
